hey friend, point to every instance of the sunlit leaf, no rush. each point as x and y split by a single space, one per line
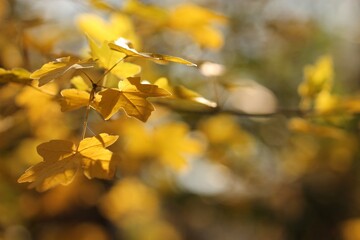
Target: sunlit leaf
108 59
59 166
118 25
183 98
96 158
61 68
124 46
80 84
18 75
165 59
73 99
62 159
131 96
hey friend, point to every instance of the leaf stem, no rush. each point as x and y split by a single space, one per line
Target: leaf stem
88 77
85 123
110 69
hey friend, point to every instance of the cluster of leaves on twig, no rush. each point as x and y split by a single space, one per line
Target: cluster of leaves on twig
85 115
62 159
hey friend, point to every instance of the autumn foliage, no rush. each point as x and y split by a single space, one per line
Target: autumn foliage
142 121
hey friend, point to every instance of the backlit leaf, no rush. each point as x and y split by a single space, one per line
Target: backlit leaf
59 166
18 75
165 59
62 159
97 28
183 98
73 99
131 96
124 46
96 161
108 58
61 68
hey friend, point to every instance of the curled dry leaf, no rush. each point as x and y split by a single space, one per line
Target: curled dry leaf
63 159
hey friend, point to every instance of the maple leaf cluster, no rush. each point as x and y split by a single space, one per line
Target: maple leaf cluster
62 159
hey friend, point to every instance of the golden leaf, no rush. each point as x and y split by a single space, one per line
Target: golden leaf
131 96
18 75
73 99
97 28
96 158
124 46
62 159
81 84
61 68
184 99
59 166
108 59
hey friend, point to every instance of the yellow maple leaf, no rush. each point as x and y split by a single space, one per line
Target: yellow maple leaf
61 68
109 59
81 84
73 99
198 23
119 25
125 46
131 96
17 75
184 99
63 159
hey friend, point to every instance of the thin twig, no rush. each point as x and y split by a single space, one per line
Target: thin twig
110 69
218 110
85 123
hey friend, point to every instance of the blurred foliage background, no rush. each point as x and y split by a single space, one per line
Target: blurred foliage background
277 160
